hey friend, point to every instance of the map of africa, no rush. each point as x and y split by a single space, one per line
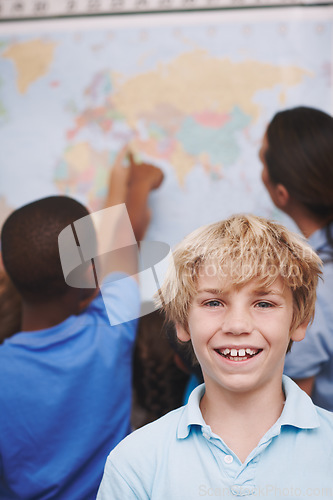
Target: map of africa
192 93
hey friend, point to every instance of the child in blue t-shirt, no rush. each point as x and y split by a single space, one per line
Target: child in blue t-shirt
240 292
66 394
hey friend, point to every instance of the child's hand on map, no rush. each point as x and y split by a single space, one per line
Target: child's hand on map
131 181
144 172
143 178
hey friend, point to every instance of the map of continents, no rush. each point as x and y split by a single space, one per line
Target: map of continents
186 111
196 111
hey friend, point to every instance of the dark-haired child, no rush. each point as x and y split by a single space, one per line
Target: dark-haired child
65 396
159 376
297 157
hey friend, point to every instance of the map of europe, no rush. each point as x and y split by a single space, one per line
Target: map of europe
191 93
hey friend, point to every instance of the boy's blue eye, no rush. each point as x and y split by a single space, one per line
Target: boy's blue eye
213 303
264 304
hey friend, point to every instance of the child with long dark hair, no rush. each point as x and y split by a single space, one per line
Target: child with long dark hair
297 157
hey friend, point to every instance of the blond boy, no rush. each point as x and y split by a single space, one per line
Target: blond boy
240 292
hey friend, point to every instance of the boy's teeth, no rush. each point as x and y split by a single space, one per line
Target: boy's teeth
239 352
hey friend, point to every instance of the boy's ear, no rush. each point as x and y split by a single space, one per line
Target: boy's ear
182 333
299 332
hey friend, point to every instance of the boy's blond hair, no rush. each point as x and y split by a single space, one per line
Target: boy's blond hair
241 248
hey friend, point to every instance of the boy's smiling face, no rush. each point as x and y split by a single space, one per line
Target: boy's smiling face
240 334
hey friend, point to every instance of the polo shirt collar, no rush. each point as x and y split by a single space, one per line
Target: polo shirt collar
298 411
192 414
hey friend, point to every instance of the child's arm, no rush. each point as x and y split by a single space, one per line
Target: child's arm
119 179
143 179
130 182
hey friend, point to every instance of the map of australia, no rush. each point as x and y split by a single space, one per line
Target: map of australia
194 99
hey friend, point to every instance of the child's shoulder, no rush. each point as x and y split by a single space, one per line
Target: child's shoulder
313 425
164 425
151 438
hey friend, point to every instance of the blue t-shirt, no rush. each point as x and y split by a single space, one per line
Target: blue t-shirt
65 400
313 356
178 457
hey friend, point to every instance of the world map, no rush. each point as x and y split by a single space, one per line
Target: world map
190 93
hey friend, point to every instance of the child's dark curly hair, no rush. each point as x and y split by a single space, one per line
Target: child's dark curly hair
158 381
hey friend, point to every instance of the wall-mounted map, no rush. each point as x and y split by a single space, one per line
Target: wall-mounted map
192 92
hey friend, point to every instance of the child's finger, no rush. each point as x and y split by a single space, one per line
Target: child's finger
121 159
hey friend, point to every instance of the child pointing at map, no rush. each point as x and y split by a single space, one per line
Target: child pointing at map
66 394
240 292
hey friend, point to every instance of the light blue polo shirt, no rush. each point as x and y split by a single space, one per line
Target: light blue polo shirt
313 356
178 457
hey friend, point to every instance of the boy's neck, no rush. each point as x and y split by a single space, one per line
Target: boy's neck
241 420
